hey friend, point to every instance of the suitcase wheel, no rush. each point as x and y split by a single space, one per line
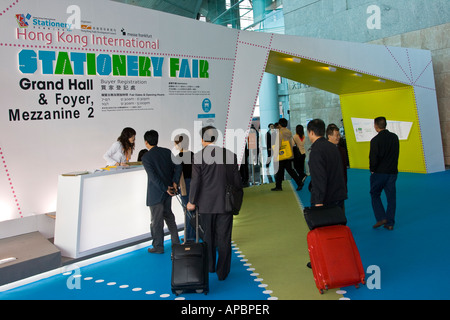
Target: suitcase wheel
178 292
201 291
322 290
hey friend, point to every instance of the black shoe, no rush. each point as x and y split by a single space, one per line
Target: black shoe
153 250
300 187
309 265
276 189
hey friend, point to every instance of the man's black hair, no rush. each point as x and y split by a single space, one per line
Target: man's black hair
151 137
317 126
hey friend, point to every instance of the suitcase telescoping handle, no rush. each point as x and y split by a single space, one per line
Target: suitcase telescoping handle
196 224
178 196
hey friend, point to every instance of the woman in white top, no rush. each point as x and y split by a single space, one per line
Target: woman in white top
120 152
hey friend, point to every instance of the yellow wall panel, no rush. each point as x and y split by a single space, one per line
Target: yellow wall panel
394 104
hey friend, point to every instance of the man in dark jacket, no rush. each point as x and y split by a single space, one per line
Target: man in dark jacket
163 177
383 158
207 192
325 168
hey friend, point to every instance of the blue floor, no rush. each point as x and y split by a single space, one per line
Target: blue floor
411 262
137 275
414 258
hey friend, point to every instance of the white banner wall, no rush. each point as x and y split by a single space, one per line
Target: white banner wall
68 91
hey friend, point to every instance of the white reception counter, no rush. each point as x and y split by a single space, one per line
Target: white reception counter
103 210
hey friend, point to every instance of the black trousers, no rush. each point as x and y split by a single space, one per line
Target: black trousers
299 165
279 176
218 228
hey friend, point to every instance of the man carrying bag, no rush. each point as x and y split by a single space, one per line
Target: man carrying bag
208 192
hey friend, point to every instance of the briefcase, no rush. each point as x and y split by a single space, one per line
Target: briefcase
324 216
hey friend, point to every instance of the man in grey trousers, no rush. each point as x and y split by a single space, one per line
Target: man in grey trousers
163 177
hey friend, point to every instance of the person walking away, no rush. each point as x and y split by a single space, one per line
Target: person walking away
207 193
285 134
383 159
270 131
299 152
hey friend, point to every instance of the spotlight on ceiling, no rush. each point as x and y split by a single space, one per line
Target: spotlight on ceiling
297 60
6 260
358 74
332 69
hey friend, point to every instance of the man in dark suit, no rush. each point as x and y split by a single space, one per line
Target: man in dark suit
383 159
327 184
325 168
207 192
163 177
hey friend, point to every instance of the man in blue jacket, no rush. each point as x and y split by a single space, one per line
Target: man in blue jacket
163 177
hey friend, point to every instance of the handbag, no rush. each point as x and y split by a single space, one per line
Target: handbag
233 199
285 151
233 196
317 217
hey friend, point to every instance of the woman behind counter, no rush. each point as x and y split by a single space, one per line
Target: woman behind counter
120 152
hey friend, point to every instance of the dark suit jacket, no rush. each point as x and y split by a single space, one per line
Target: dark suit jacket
208 180
384 153
161 173
327 177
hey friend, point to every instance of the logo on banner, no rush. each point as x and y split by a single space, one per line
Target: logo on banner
206 118
22 20
206 105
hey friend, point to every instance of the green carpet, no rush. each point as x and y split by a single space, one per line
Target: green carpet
271 232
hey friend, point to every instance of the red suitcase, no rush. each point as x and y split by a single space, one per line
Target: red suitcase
335 259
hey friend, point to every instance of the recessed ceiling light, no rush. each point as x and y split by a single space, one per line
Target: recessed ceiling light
381 80
6 260
358 74
297 60
333 69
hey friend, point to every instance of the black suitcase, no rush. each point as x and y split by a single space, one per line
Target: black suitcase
190 265
324 216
